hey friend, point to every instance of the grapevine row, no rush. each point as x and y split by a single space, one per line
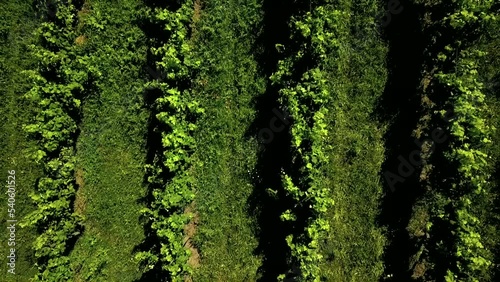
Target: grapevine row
56 94
470 137
316 34
174 118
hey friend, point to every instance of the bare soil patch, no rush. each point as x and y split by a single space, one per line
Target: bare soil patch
189 232
80 201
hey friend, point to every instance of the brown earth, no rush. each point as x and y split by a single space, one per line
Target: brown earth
190 228
189 231
80 201
196 18
197 11
80 40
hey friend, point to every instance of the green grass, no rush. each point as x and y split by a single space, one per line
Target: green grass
228 82
111 146
17 23
111 150
489 212
354 246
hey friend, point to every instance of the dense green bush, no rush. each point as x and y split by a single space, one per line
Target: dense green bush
460 172
56 94
210 81
169 175
317 34
470 135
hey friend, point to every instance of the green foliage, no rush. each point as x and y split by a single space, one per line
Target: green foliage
317 34
329 79
169 175
229 81
57 91
470 136
17 21
110 150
